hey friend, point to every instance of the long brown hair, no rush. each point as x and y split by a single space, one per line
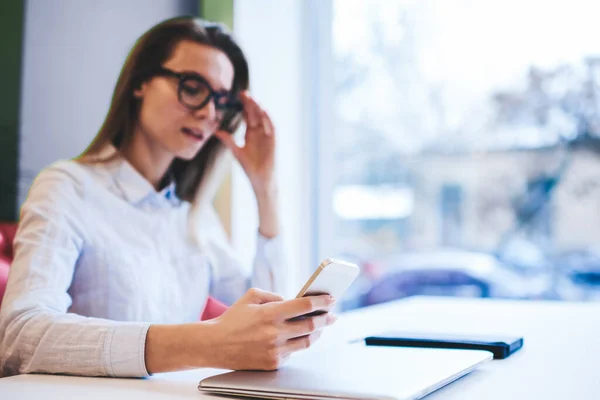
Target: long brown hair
150 51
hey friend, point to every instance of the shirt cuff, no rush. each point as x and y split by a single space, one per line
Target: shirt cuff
270 249
124 350
270 254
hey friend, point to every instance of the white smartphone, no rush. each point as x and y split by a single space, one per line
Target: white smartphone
332 277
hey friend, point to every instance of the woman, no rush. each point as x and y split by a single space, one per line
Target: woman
106 280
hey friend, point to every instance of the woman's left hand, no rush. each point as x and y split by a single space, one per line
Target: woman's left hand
257 155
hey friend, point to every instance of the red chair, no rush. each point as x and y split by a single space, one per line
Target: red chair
212 309
7 234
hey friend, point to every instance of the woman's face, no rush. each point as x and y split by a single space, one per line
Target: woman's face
167 124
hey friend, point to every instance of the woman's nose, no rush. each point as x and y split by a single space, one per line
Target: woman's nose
208 112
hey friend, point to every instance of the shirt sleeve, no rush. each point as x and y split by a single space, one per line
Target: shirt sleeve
36 332
229 277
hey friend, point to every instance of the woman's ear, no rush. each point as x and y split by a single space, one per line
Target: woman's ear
140 91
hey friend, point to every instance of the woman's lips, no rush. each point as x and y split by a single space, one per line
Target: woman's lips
193 133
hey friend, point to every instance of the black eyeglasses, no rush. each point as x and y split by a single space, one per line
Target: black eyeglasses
194 92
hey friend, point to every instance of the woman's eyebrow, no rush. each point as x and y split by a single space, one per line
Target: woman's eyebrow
191 72
220 88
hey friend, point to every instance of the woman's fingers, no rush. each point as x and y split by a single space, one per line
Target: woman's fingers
258 296
227 139
252 111
268 124
255 116
297 307
303 327
301 343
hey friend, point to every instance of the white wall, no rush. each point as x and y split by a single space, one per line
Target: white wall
73 52
273 35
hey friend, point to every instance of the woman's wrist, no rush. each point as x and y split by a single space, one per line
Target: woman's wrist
268 214
180 347
264 188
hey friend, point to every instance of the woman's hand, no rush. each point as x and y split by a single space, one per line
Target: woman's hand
257 158
257 155
256 332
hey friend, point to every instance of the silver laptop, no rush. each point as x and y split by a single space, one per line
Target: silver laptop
353 372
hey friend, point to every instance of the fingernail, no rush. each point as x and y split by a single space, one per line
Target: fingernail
331 318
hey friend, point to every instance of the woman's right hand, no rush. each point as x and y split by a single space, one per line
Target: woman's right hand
256 333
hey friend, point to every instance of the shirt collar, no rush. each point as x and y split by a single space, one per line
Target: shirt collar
136 189
169 193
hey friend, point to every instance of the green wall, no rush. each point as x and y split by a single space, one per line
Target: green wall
217 11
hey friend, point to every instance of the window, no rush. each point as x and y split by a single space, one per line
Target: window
461 151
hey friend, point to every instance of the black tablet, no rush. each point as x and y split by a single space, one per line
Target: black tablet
501 346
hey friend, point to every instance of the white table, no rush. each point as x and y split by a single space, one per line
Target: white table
558 361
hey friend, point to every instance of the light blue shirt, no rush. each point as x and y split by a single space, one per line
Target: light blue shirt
99 256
